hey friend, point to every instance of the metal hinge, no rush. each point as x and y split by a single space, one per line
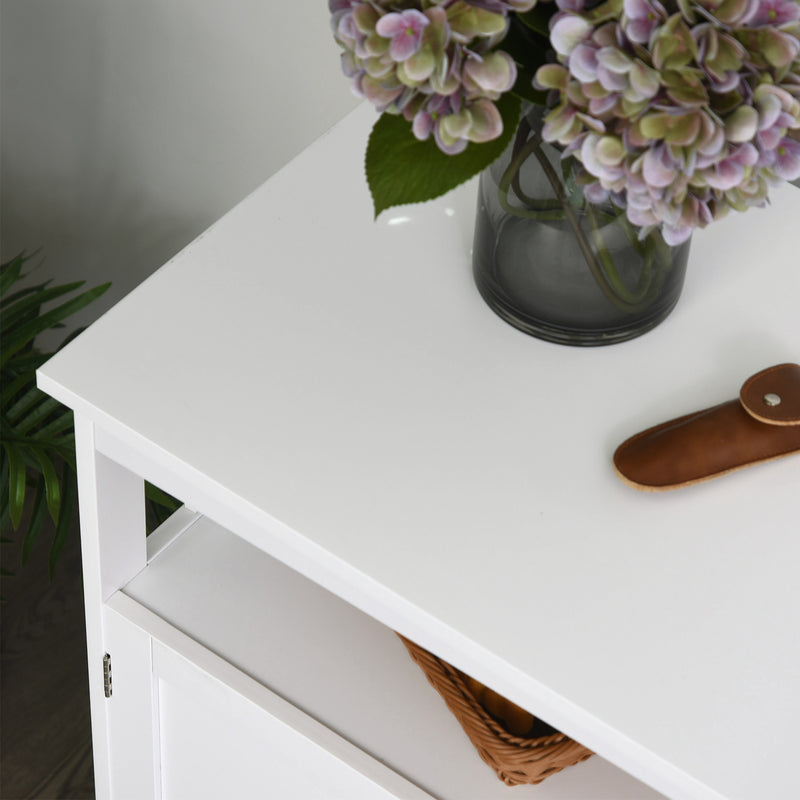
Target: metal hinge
107 674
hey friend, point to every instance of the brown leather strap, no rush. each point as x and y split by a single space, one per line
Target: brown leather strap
762 425
773 395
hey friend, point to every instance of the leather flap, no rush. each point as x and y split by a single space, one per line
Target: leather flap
773 395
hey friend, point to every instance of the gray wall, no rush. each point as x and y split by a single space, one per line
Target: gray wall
129 126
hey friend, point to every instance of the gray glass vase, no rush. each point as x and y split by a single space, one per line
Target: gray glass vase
561 269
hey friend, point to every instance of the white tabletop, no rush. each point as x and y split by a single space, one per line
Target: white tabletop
340 384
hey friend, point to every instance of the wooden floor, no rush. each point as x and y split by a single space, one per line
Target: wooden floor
45 738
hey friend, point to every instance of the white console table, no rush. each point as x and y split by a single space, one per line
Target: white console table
364 448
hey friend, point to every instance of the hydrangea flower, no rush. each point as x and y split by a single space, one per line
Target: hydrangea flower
681 110
677 110
404 29
435 62
773 12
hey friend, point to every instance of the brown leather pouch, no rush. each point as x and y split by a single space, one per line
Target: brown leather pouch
761 425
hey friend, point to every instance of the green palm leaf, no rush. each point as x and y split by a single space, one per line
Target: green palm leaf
17 482
52 486
37 439
63 422
24 405
28 304
25 333
37 414
37 520
37 451
12 388
10 274
64 522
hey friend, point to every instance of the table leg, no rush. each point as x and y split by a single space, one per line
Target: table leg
113 546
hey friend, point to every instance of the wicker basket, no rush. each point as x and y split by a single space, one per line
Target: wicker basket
542 752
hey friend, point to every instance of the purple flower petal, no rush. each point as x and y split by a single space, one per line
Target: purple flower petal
787 162
725 175
773 12
676 234
641 216
746 155
493 74
595 193
568 32
487 124
769 139
338 5
728 83
422 125
583 63
641 18
611 81
558 123
599 106
769 109
405 30
658 168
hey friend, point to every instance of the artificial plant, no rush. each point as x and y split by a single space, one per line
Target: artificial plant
37 438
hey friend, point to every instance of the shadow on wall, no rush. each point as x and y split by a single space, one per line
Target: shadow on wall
117 238
69 189
128 128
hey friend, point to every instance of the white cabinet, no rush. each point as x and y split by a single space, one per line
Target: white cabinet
245 679
222 743
369 449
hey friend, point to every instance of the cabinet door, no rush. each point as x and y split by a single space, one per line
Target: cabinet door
217 743
130 710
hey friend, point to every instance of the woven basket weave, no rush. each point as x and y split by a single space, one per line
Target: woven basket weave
515 759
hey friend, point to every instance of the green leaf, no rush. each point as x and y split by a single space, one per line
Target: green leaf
537 19
74 335
36 415
65 521
31 304
37 521
32 397
51 483
401 169
156 495
49 433
14 386
10 299
26 361
10 273
37 431
25 334
4 473
609 10
160 506
5 512
16 483
529 51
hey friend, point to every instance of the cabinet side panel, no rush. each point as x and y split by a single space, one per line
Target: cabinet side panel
113 549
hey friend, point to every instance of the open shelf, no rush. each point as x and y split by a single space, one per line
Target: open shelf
334 663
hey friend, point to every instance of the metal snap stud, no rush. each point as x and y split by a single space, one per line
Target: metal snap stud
772 399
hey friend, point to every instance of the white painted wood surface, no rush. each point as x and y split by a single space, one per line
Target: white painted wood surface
335 391
186 675
218 744
113 550
334 662
134 745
